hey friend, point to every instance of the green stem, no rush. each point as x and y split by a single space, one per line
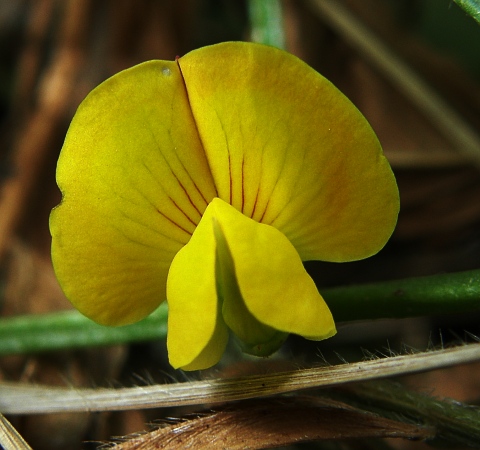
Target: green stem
266 21
471 7
70 329
438 294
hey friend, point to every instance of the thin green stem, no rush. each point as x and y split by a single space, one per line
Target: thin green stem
439 294
70 329
266 21
471 7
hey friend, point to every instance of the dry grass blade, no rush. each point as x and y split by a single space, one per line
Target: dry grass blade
9 437
29 399
271 423
454 128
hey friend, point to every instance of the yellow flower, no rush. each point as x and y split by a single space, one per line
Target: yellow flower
207 181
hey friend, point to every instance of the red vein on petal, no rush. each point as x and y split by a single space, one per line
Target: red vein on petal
243 182
229 170
196 187
183 212
165 192
153 205
172 221
264 211
189 198
255 203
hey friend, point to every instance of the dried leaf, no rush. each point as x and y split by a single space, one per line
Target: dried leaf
270 423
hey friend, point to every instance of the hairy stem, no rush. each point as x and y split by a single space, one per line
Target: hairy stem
18 398
453 421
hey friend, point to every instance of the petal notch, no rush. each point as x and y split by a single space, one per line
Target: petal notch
290 150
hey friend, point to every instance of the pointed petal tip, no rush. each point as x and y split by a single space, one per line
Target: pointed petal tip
266 282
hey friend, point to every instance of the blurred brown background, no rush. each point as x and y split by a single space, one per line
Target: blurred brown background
53 52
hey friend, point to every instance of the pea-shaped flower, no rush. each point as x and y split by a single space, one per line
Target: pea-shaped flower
207 181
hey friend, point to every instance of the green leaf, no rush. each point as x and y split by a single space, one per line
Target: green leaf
471 7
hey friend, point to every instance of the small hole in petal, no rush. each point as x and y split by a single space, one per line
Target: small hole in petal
166 71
